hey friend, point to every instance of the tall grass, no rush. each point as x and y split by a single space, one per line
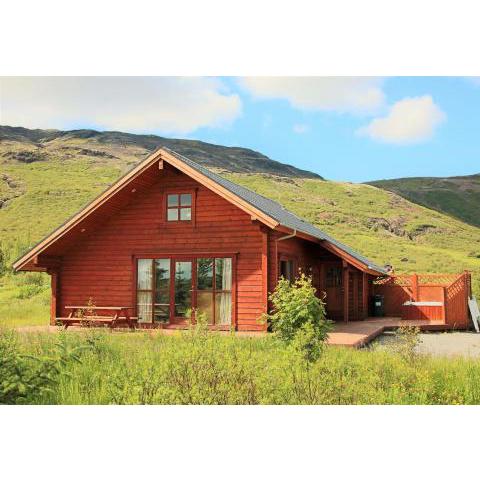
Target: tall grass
24 299
195 368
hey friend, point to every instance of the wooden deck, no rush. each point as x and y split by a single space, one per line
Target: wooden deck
359 334
354 334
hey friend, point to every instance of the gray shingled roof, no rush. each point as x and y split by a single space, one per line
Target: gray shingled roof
274 210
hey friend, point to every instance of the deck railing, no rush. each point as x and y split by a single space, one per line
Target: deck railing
429 296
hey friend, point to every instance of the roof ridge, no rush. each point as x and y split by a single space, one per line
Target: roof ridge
183 157
263 205
289 219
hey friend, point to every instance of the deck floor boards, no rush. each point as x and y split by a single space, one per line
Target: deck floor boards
360 333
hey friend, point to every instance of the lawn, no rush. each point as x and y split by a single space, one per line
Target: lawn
95 367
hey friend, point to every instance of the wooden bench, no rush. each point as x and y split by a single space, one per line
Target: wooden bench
90 315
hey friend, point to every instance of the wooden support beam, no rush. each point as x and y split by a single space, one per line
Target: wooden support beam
356 303
265 270
415 287
323 278
444 304
364 295
54 298
346 291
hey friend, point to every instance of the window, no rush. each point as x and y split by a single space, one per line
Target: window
214 289
153 290
334 277
183 288
166 289
286 270
179 207
162 290
144 290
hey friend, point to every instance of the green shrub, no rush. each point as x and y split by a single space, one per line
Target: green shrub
27 379
407 340
298 316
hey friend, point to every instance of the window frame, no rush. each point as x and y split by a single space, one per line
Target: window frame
338 276
287 258
179 192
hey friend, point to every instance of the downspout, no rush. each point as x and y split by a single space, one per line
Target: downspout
286 237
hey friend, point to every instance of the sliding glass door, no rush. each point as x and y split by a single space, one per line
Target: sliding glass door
214 289
162 290
168 289
183 289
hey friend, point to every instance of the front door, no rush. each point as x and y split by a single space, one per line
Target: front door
334 291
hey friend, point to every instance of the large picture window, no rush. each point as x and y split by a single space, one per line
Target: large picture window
168 289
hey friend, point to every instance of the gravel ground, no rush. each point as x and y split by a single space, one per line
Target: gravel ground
466 344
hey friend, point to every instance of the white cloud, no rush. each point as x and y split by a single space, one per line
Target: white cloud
301 128
136 104
410 120
342 94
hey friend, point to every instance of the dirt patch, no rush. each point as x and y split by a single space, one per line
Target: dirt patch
27 156
395 226
90 153
449 344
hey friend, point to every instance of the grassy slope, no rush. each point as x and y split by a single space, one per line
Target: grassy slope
380 224
456 196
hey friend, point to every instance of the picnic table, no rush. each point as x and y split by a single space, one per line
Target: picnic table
92 315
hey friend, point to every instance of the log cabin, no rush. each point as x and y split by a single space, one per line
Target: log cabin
171 237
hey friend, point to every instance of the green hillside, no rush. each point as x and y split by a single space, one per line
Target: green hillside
456 196
46 177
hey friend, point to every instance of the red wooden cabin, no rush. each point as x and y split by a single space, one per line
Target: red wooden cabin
171 236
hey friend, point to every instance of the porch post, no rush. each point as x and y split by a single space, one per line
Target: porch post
265 270
346 291
322 281
415 287
364 295
444 304
54 297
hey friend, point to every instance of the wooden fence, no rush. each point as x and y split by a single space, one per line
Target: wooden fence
427 296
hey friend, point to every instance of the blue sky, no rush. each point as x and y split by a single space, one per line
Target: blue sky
353 129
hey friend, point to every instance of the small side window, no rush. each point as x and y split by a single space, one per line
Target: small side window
334 277
179 207
286 270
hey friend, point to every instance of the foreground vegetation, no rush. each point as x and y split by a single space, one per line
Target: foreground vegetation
95 367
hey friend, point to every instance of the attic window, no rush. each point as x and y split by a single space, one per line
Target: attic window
179 207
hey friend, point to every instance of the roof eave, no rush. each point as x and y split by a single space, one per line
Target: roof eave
79 216
158 155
